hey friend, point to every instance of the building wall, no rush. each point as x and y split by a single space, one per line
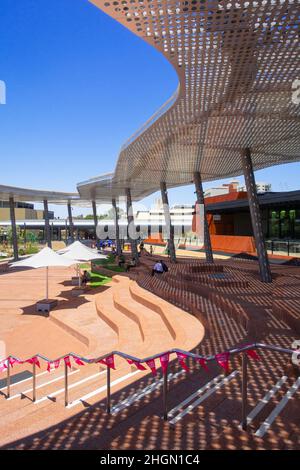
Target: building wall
242 224
23 214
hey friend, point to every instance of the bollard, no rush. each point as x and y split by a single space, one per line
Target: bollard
8 379
66 386
108 390
165 393
34 382
244 391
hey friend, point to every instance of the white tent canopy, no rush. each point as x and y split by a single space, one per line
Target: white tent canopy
45 258
80 252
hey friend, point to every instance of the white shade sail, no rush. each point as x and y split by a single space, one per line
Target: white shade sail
45 258
79 252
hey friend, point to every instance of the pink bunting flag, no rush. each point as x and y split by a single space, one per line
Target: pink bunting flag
253 354
78 361
181 359
67 361
3 365
223 360
164 360
12 361
109 361
34 360
203 364
151 364
137 364
51 364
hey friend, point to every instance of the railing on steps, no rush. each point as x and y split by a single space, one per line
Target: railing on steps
34 360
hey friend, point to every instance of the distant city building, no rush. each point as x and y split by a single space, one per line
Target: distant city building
23 211
179 213
233 187
261 187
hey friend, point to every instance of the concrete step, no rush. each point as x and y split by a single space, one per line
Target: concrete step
127 331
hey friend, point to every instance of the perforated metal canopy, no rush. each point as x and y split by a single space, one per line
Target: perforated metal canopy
39 195
237 64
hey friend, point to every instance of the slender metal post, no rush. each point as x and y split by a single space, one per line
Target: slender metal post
66 386
33 382
244 390
13 228
117 228
200 200
71 226
95 218
165 396
130 220
25 241
8 380
169 226
47 224
108 390
263 261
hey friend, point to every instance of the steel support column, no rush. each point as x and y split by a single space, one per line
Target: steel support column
47 224
169 226
130 220
117 228
13 228
264 267
71 226
95 218
200 200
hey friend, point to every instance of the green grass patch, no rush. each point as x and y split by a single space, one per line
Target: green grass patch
109 263
86 266
98 280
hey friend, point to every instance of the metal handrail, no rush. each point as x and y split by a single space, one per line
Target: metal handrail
126 356
157 355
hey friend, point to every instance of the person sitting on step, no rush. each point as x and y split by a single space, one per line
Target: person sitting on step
130 265
157 268
85 278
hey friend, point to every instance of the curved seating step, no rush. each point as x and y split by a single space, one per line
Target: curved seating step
128 333
84 324
155 334
185 330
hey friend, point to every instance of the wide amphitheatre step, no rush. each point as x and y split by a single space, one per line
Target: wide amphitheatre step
85 324
196 400
123 317
129 337
186 331
146 321
86 386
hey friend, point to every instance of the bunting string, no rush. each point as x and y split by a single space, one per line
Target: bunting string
222 359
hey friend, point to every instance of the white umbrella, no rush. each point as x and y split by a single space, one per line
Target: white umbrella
80 253
45 258
78 250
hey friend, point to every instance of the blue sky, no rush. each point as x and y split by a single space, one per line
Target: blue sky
78 85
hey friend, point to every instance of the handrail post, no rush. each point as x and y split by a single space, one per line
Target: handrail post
8 379
34 382
244 391
108 390
165 395
66 386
